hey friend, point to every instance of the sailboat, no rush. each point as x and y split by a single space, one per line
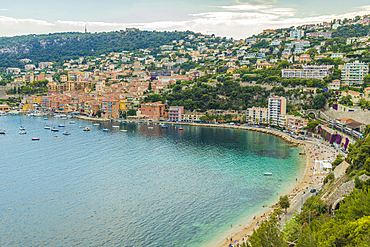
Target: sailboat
20 123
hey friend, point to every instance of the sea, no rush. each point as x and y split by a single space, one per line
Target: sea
149 186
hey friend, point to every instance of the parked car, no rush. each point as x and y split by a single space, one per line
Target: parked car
313 190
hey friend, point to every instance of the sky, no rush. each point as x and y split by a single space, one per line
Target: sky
230 18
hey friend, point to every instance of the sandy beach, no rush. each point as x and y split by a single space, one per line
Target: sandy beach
312 178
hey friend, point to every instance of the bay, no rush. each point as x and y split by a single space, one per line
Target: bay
146 187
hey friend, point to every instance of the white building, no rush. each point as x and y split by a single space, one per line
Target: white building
296 34
257 114
277 110
354 73
311 71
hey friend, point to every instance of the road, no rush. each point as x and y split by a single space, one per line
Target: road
297 202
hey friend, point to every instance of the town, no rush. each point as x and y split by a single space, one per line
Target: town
273 78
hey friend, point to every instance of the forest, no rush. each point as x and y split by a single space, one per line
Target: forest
63 46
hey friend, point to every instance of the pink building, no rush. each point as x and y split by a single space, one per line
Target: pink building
175 113
296 123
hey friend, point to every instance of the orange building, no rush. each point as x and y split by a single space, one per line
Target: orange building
110 108
153 110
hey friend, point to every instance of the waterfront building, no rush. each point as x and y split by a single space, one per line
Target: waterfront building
354 73
295 123
110 108
175 113
276 108
257 114
153 111
190 118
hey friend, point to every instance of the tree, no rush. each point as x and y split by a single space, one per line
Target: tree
131 112
98 113
284 202
150 86
312 125
268 234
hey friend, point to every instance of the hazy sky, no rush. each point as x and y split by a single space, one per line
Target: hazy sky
231 18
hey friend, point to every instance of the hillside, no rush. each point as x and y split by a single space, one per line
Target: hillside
62 46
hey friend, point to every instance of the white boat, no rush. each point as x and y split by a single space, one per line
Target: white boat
115 126
106 130
86 129
150 128
46 119
61 125
66 133
267 174
96 124
54 129
72 122
22 132
123 130
2 132
47 127
21 128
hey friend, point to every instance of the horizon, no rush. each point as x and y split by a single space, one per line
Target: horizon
232 19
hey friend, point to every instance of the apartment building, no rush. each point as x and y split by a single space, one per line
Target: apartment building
276 109
154 110
354 73
308 72
110 108
175 113
257 114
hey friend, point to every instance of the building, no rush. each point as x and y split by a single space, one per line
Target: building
110 108
311 71
354 73
257 114
190 118
276 109
295 123
296 34
153 111
355 96
29 67
175 113
334 85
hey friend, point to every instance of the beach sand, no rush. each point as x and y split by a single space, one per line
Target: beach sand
309 179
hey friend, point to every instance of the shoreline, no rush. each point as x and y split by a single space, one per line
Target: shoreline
309 180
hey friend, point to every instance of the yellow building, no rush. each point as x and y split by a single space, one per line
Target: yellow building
36 99
27 107
123 104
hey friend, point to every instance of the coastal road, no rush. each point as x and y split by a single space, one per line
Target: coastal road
298 202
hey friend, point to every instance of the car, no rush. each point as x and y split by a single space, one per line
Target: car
313 190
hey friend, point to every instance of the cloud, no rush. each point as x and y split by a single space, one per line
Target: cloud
4 9
244 7
238 21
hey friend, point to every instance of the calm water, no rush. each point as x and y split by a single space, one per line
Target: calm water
146 187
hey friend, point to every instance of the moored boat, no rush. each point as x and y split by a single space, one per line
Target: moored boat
123 130
22 132
2 132
106 130
47 127
115 126
61 125
54 129
86 129
35 139
66 133
181 128
150 128
267 174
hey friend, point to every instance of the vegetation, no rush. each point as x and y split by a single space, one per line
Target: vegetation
71 45
315 226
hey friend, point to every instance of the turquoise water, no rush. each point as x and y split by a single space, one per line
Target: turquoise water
146 187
